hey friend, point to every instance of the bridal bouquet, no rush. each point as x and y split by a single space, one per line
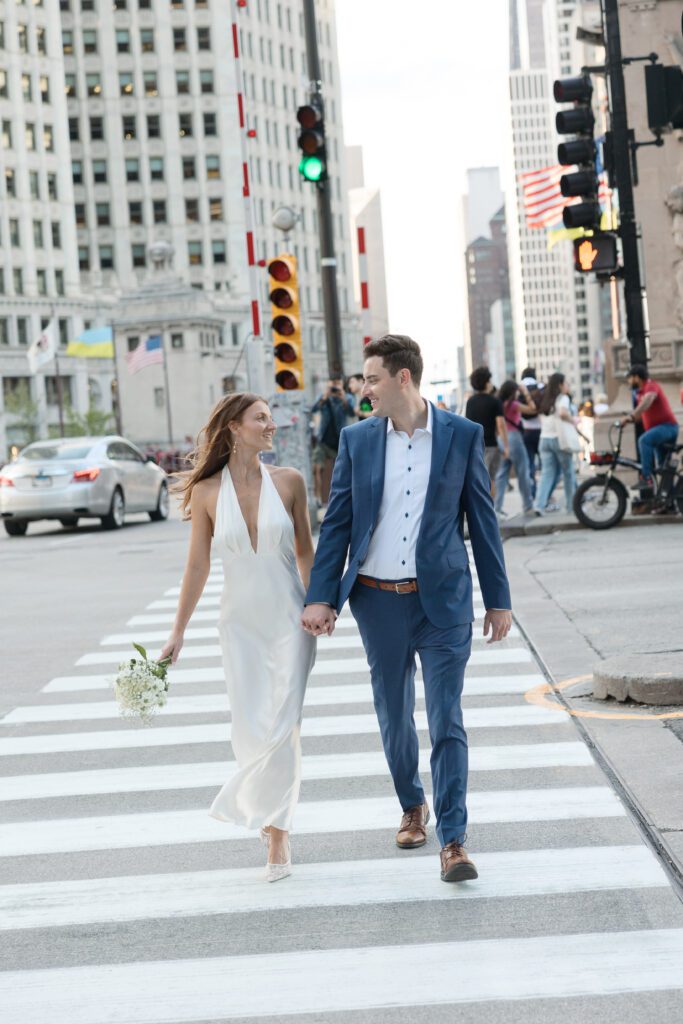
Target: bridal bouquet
141 686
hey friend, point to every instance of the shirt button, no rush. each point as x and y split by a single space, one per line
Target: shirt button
403 563
406 515
405 538
409 468
410 446
407 492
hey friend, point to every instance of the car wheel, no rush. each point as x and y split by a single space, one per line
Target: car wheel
69 520
16 527
117 512
163 506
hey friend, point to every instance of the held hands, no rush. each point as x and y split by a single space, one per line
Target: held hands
319 619
500 623
172 647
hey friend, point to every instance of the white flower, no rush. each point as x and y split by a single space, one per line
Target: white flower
141 686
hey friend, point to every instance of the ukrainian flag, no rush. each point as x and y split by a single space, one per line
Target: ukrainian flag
97 343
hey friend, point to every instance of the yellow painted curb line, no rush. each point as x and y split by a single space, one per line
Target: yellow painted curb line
538 695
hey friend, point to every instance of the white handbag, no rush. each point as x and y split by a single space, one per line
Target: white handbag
568 435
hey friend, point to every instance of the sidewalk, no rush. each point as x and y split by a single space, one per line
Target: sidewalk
582 596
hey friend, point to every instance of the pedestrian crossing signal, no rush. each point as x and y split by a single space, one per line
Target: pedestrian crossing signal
596 254
286 323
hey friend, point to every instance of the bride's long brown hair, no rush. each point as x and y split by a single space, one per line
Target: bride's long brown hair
214 445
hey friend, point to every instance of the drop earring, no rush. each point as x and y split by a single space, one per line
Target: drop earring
234 448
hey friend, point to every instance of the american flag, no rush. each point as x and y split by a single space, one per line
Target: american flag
543 201
150 351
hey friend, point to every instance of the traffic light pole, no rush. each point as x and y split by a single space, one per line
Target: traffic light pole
634 296
328 262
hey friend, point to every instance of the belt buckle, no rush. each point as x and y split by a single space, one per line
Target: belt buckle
397 585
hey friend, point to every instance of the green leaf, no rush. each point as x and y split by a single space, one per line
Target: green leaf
141 650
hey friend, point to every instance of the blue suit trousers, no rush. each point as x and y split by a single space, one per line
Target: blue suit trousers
394 628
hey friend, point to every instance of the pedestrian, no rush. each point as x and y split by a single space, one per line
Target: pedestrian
485 408
531 422
560 441
354 386
513 408
256 517
659 425
335 406
403 483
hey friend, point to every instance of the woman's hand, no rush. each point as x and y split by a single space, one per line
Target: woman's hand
172 647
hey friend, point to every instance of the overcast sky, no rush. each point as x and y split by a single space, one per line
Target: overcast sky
424 89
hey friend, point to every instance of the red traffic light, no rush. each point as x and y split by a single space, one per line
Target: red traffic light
279 270
284 325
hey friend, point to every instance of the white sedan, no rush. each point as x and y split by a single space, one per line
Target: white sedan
81 478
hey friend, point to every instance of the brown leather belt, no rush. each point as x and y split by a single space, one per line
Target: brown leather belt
404 587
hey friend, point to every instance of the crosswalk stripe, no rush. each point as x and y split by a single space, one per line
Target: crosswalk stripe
214 600
521 873
358 978
489 656
169 828
215 586
197 775
215 703
475 686
128 735
211 632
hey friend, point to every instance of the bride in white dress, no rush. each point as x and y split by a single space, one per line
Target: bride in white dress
256 518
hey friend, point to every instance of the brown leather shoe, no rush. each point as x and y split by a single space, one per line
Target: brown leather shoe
456 866
413 829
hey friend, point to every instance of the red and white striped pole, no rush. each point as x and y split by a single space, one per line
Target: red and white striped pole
246 186
364 288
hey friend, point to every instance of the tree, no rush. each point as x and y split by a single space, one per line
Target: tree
91 423
24 411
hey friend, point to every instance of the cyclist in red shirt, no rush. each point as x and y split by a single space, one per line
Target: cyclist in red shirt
660 424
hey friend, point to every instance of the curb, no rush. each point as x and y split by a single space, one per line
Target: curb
521 526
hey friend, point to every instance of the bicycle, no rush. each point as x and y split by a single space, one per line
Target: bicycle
601 501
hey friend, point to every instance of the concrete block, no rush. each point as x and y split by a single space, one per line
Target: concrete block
646 678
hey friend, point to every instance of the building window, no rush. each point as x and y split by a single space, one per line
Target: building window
27 88
106 257
132 169
83 257
129 127
51 394
188 168
205 81
38 234
22 330
41 281
156 168
177 341
30 133
210 124
67 42
159 211
153 126
70 85
135 213
4 340
122 40
213 166
147 40
59 282
159 398
87 5
132 343
203 38
194 253
99 171
125 83
182 82
41 41
144 5
14 235
89 41
93 85
4 91
102 215
192 209
74 132
179 40
138 255
11 182
44 84
150 82
81 217
52 191
48 139
77 172
216 209
184 125
18 280
56 230
6 134
218 250
96 128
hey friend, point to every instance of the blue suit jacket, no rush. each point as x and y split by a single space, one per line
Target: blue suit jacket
458 485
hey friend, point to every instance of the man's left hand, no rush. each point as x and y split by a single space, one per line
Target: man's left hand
499 622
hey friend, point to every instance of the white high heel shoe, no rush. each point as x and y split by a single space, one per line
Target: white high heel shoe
274 872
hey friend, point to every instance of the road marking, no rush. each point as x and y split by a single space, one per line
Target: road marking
488 656
331 884
128 734
539 697
198 775
170 828
553 967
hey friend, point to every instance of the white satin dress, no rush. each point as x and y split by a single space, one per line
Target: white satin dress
267 658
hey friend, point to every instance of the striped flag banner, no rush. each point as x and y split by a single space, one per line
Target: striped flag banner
543 201
150 351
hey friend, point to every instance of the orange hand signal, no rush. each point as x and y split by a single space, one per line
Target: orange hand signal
587 255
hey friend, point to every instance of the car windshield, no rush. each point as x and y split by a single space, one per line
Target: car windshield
43 452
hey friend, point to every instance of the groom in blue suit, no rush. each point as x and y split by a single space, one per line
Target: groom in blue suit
403 482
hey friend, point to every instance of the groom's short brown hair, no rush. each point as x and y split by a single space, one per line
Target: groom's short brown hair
397 352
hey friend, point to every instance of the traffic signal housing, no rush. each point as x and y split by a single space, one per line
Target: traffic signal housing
283 288
597 254
578 121
313 163
664 89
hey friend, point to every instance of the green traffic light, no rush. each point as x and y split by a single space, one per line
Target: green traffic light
312 168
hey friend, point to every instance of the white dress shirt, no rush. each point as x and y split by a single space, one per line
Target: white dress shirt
407 463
